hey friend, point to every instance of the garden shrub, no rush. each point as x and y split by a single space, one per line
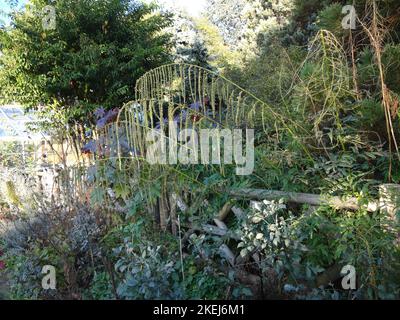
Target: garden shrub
302 248
333 141
64 237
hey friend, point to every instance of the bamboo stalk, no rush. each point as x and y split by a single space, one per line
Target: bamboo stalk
172 213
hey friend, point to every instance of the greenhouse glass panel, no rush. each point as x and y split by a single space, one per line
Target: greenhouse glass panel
13 124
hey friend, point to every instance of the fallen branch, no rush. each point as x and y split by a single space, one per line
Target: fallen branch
220 224
210 229
227 254
238 212
303 198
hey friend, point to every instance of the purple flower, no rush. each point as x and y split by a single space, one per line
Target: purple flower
101 123
158 125
109 117
195 106
100 112
89 147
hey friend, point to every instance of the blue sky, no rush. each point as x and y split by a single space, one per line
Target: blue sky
4 7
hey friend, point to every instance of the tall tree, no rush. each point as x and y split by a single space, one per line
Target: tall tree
246 24
76 55
189 45
228 16
266 18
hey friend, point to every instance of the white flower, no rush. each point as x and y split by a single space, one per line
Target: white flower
259 236
243 253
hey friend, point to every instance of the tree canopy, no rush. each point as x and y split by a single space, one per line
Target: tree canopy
91 57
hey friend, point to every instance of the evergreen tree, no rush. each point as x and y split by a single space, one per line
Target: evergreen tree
92 56
245 25
228 16
189 45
